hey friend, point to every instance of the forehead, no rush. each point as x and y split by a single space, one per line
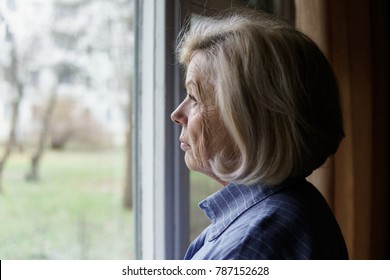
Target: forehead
195 75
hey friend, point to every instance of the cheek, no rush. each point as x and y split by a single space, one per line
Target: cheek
221 142
194 128
199 136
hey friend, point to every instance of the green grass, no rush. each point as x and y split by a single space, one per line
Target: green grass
74 212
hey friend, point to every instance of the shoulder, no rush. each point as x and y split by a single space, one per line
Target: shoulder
293 206
293 223
278 228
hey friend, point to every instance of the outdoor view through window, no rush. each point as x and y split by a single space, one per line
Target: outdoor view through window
65 86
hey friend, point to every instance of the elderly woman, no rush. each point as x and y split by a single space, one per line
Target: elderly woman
262 112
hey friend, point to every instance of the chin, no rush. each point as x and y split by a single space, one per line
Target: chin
193 164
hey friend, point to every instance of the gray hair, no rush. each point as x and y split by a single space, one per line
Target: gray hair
275 92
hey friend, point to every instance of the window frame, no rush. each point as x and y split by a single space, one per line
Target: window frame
161 193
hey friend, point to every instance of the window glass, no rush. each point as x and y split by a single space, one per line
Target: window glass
65 86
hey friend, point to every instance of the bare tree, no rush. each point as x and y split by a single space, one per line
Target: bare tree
123 72
12 76
128 187
33 174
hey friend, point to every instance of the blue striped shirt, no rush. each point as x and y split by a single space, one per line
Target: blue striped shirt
289 221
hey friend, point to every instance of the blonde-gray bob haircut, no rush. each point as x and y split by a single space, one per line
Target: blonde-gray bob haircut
275 92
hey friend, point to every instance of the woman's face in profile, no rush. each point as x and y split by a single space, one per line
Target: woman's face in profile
191 115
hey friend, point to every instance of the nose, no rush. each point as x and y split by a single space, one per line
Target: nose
178 116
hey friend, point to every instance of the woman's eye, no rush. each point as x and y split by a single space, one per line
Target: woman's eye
192 98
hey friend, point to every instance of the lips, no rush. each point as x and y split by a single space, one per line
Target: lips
184 145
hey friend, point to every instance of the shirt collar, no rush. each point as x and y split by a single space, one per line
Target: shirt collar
227 204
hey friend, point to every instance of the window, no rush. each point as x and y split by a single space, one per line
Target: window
65 80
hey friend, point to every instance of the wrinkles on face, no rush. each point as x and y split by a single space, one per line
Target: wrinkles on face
202 128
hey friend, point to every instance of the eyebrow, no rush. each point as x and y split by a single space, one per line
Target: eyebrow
191 82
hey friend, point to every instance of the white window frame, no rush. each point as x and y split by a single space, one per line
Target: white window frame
161 193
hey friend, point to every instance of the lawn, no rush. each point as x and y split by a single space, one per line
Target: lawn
74 212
